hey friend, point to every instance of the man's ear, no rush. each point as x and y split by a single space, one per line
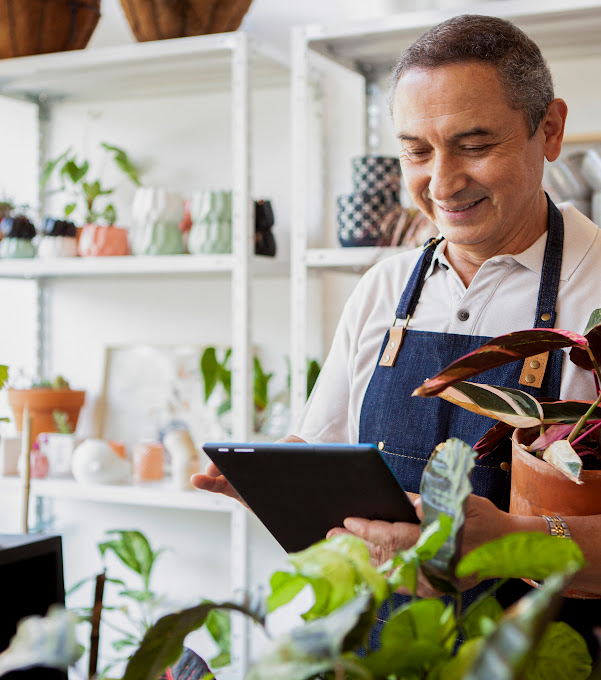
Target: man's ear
553 125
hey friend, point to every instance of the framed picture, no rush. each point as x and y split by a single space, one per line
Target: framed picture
147 387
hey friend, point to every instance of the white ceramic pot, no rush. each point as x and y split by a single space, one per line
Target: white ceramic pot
95 462
57 246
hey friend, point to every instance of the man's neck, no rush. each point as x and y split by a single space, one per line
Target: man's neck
466 260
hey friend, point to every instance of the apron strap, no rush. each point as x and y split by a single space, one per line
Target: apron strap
413 289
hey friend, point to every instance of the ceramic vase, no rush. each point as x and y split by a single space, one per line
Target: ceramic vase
16 248
95 462
211 213
157 213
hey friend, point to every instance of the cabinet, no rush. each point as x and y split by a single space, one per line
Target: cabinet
566 33
228 65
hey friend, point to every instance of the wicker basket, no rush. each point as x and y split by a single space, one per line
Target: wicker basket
40 26
160 19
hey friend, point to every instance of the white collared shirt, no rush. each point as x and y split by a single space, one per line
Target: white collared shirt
501 298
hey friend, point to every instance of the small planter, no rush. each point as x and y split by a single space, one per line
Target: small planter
102 241
159 19
537 488
42 402
40 26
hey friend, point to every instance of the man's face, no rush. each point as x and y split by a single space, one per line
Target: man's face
466 155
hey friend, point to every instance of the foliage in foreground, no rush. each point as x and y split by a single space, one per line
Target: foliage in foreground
418 640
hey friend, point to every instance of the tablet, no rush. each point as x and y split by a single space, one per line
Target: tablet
301 491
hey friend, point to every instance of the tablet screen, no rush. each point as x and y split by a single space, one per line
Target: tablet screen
301 491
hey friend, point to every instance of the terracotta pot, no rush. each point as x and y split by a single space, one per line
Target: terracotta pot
102 241
40 26
159 19
42 402
537 488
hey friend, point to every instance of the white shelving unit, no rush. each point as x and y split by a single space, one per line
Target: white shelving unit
371 48
231 63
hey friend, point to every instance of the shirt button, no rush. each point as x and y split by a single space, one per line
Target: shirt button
463 315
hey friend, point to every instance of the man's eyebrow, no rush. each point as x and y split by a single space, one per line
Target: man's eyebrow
473 132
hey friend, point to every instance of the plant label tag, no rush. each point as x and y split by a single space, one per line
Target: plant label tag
533 370
395 340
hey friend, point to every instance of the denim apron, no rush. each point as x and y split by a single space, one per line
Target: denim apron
406 429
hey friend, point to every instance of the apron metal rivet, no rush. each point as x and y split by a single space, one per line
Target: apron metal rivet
535 364
505 466
545 317
387 357
529 378
381 445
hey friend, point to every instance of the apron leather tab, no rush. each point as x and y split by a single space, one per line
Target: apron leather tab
533 370
395 340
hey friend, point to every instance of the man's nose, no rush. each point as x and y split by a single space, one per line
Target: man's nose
448 177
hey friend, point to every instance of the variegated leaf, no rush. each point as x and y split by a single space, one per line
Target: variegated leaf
563 457
592 333
568 411
550 435
513 407
498 352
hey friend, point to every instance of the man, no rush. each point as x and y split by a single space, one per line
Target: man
475 115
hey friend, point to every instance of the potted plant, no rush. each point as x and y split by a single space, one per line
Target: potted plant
556 445
94 239
419 640
42 400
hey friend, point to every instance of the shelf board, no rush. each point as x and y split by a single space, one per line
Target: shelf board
353 260
132 265
561 29
157 68
156 494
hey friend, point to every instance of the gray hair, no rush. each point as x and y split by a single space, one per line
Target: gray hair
522 70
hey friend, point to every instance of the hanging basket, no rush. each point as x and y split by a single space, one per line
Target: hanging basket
160 19
40 26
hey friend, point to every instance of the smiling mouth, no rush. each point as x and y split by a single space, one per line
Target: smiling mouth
460 208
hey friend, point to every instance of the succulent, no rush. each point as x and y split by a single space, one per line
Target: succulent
54 227
17 226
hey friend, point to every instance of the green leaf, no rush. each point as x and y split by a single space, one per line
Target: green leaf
404 566
422 626
139 595
561 653
109 214
486 609
73 171
444 488
316 647
284 588
567 411
592 333
457 667
69 208
50 166
341 562
123 163
261 381
163 643
509 647
133 549
210 369
218 624
313 370
522 555
497 352
514 407
3 375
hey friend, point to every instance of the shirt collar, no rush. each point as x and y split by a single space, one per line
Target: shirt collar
579 232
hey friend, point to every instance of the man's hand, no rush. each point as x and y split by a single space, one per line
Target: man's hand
212 480
483 522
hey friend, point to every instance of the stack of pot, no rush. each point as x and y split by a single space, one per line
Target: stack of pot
376 190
